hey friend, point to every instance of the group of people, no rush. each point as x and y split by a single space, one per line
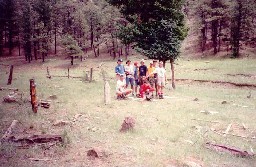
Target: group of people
143 80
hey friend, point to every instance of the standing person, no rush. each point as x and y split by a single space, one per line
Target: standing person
150 74
119 69
155 74
129 71
121 90
136 77
161 78
142 71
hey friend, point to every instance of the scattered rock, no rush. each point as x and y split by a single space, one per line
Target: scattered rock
52 97
92 153
96 153
61 123
224 102
208 112
128 124
11 97
196 99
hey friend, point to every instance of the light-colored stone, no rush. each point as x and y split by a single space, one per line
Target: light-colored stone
107 95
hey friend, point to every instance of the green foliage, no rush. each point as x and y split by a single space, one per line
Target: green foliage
156 27
71 46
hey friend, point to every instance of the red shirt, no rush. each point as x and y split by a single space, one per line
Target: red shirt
144 88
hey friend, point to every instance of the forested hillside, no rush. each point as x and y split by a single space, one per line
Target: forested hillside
36 27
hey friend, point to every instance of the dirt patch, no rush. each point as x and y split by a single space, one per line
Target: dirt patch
224 83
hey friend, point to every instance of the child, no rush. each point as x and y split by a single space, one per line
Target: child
121 90
146 90
136 77
161 78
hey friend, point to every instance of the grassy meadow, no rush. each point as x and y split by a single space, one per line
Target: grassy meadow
169 132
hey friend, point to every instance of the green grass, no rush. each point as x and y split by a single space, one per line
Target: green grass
165 130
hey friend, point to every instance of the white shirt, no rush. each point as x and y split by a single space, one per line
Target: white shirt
129 69
120 85
160 72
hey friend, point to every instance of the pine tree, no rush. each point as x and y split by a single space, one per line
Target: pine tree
157 27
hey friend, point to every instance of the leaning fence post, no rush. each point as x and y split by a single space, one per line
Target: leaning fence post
33 95
91 74
10 76
68 72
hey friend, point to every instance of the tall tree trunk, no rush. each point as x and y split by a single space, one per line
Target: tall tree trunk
220 34
126 51
1 40
214 27
236 30
172 70
55 38
92 35
203 32
114 46
19 43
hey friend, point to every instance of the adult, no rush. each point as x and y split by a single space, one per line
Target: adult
129 71
142 71
150 74
155 74
121 90
119 69
161 78
136 77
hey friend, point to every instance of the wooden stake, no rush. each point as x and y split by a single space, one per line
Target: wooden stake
68 72
10 76
91 74
33 95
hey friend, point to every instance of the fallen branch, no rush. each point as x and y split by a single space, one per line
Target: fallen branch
5 88
7 135
218 82
205 120
38 159
227 130
221 134
231 150
37 139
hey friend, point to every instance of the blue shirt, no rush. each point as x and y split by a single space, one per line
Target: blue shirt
136 73
143 70
119 69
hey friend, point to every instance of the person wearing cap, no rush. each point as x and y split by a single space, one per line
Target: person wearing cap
129 71
119 69
142 71
121 90
161 77
150 74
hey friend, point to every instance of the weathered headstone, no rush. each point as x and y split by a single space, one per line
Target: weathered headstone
107 96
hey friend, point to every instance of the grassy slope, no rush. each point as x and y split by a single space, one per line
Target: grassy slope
164 128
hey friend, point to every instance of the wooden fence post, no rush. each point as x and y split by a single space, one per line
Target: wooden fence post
68 72
91 74
10 76
33 95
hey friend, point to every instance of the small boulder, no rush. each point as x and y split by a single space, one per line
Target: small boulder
128 124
